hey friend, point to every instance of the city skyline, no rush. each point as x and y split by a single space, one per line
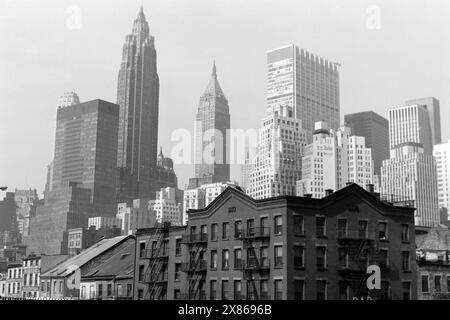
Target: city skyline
252 84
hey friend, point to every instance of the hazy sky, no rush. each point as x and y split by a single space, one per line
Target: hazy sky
407 57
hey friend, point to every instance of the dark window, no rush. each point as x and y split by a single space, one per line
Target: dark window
405 232
437 283
321 289
320 226
448 283
321 257
298 225
177 271
343 257
141 249
278 255
176 294
237 290
344 290
342 228
363 231
384 258
178 247
203 232
213 290
129 290
264 226
384 292
100 290
406 290
238 229
140 294
237 259
382 230
109 290
298 289
278 223
299 256
405 261
264 289
224 289
250 227
264 254
225 230
141 273
213 259
278 289
214 230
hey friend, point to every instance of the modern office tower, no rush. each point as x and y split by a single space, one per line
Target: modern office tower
332 160
409 123
375 129
307 83
410 175
26 203
212 124
441 153
277 165
138 98
84 174
168 206
68 99
8 220
434 115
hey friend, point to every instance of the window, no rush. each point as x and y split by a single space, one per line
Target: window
343 257
214 230
250 227
382 230
406 290
384 258
278 255
405 232
448 283
176 294
237 259
178 247
213 259
299 289
203 232
141 249
140 294
141 273
264 255
177 271
321 257
278 289
405 261
437 283
278 223
224 289
238 229
298 225
100 290
129 290
342 228
213 290
320 226
363 230
299 256
225 230
384 292
264 226
109 290
321 289
344 290
237 290
225 259
264 290
83 291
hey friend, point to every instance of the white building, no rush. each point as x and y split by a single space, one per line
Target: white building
277 165
202 196
168 206
246 169
410 174
441 152
106 222
333 159
124 215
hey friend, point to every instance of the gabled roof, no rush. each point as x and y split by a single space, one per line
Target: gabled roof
67 267
436 239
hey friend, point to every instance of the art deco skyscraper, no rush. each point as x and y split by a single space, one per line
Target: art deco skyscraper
307 83
211 134
138 98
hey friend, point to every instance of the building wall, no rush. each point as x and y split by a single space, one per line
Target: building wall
441 152
433 281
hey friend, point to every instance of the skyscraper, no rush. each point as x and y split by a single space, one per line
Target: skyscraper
434 115
441 152
83 176
211 136
307 83
375 129
138 98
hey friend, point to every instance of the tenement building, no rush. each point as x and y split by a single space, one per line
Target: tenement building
284 247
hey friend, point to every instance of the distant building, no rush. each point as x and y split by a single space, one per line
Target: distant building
375 129
26 201
8 219
104 222
68 99
277 165
168 206
82 238
246 169
441 153
14 280
135 216
434 116
162 175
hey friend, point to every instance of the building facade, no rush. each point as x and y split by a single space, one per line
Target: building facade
8 220
375 129
138 98
26 202
104 222
441 153
277 165
434 116
168 206
307 83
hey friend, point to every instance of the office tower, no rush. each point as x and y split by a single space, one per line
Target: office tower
333 159
211 136
307 83
68 99
26 203
434 115
277 165
441 152
138 98
246 168
168 206
84 174
375 129
162 174
410 123
410 175
8 220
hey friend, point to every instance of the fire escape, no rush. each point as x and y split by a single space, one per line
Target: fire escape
155 276
196 267
254 268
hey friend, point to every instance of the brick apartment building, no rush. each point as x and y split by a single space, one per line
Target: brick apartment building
284 247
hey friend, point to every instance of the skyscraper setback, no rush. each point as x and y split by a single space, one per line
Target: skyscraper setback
138 98
307 83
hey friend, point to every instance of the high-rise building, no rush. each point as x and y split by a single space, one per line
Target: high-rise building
26 203
434 115
332 160
168 206
375 129
84 174
8 220
307 83
68 99
212 136
441 153
277 165
162 174
138 98
410 175
246 168
410 123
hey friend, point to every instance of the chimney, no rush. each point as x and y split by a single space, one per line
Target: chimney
328 192
308 195
370 188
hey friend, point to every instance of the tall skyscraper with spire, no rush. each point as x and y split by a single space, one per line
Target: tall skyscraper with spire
138 98
211 134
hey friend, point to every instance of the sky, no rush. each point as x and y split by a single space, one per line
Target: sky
390 51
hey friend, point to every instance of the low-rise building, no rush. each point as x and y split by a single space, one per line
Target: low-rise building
82 238
14 280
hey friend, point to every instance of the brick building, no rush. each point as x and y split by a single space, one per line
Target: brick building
284 247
